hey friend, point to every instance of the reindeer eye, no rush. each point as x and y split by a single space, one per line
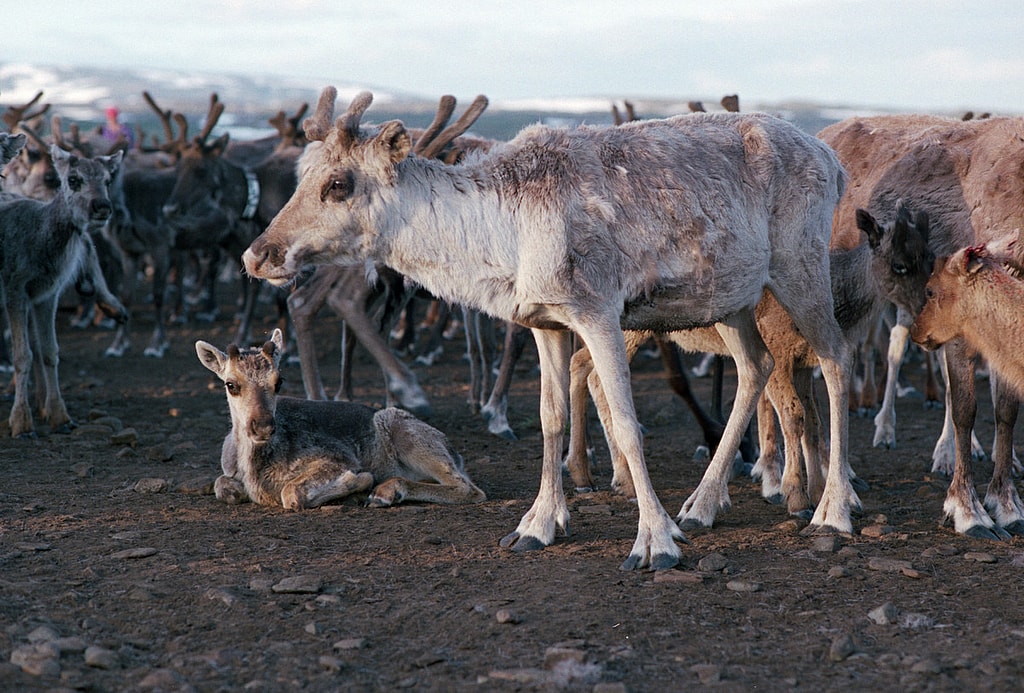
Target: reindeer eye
339 187
898 269
74 182
232 387
929 293
277 385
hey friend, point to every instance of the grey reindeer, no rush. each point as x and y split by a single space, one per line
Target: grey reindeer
300 453
44 246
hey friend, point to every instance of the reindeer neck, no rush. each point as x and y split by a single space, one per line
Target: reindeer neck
456 238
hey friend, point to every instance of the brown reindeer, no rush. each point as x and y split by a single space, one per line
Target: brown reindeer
966 176
665 225
300 453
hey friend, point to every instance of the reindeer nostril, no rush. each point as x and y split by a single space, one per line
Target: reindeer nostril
100 209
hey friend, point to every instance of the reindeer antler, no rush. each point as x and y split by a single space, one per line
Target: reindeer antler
445 108
164 116
731 103
212 116
15 114
319 124
348 124
465 121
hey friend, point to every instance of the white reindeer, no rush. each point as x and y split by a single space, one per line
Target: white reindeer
43 247
300 453
663 225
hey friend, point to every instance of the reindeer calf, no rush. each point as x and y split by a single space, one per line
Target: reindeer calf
974 295
301 453
43 247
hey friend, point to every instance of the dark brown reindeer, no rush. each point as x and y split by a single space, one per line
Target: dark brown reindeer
966 176
300 453
44 246
593 230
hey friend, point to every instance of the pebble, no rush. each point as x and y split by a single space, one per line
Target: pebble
712 563
979 557
743 586
299 584
877 530
162 680
350 644
888 565
707 673
927 666
127 436
825 544
842 647
916 621
151 485
331 664
40 659
83 470
137 552
838 571
221 594
678 577
101 658
506 616
555 655
595 509
42 634
884 615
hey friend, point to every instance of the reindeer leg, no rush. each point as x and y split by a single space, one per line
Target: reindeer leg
885 419
753 366
44 329
1002 500
549 511
769 464
421 452
495 411
20 419
962 505
323 481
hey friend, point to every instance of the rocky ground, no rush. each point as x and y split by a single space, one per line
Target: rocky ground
120 571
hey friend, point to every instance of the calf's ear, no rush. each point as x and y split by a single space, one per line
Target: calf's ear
211 357
867 224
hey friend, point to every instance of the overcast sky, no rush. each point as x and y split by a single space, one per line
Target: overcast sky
913 55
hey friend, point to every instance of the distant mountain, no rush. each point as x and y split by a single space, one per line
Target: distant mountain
80 95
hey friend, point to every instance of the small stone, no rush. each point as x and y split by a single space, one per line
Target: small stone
160 453
979 557
111 422
137 552
916 621
83 470
911 573
126 436
842 647
313 628
200 486
221 594
33 546
684 577
331 664
848 552
826 544
37 660
788 526
927 666
151 485
884 615
260 584
72 645
554 656
712 563
707 673
91 430
838 571
941 550
521 676
877 530
506 616
299 584
101 658
888 565
350 644
328 600
162 680
743 586
42 634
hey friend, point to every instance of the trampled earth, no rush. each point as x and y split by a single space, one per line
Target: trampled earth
119 570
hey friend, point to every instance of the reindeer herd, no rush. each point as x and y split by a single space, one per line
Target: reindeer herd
729 233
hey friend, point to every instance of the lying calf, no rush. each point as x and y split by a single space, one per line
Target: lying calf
301 453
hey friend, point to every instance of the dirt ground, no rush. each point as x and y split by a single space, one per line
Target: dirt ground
119 570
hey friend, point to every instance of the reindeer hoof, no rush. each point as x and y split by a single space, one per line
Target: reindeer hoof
506 433
981 532
859 484
805 514
775 499
27 435
819 531
1015 528
64 428
519 544
690 524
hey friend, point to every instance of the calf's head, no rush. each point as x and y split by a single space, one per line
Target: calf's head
85 185
900 256
346 177
252 379
941 319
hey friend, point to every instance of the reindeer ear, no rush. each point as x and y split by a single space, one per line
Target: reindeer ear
867 224
277 337
974 259
395 139
211 357
921 224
